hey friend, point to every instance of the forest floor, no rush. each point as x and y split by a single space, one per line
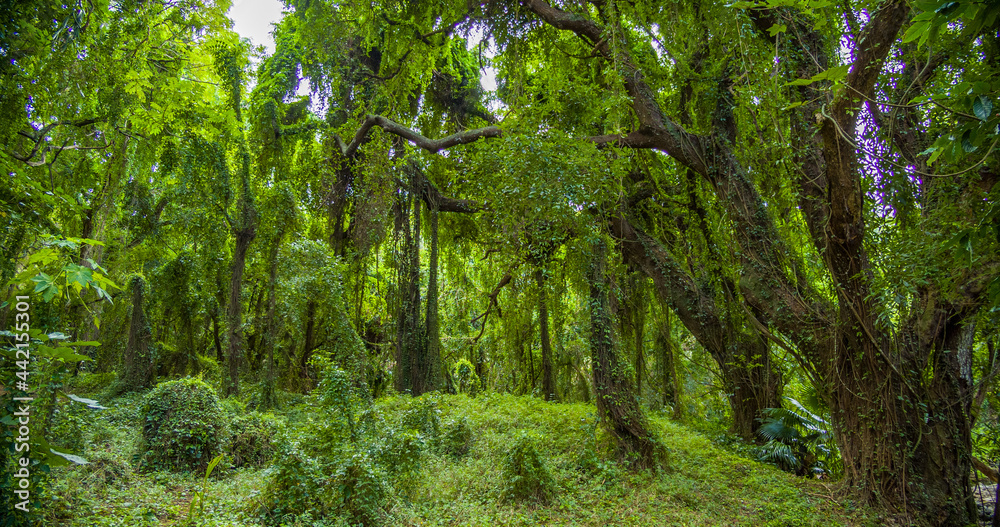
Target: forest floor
702 484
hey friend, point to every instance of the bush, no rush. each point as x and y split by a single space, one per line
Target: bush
251 439
182 426
464 376
424 418
103 471
339 463
525 475
457 438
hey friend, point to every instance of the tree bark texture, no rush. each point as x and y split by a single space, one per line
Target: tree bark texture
139 367
548 376
616 400
234 309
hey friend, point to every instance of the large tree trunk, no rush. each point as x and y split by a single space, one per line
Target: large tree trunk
234 310
616 400
139 369
548 379
410 333
751 381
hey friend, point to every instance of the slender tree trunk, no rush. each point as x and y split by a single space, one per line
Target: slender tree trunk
672 387
996 502
309 339
216 339
548 380
616 400
234 310
267 399
432 358
638 329
139 368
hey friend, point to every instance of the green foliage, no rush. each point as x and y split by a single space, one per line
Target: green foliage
457 438
182 426
525 473
424 417
797 441
463 374
349 462
196 509
251 439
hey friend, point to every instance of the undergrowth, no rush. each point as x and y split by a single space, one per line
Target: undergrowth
341 458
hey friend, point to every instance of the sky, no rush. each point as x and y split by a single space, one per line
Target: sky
253 19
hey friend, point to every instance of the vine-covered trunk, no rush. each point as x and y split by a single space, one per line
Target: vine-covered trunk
752 383
672 387
548 379
638 327
139 369
906 439
410 332
616 401
431 361
234 309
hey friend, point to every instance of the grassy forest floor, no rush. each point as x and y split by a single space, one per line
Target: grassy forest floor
703 483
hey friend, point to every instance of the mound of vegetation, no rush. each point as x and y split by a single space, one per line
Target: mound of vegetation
509 460
182 426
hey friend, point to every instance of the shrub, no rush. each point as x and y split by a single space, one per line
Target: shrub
251 439
182 426
424 418
457 438
340 463
464 376
525 474
103 471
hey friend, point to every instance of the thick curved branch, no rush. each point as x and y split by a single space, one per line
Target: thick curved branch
655 129
431 145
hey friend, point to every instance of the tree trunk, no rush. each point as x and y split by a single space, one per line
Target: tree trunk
996 503
751 381
139 368
268 399
216 339
432 353
616 400
309 339
410 336
234 310
548 380
638 327
672 387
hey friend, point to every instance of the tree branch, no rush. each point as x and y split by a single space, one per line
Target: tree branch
431 145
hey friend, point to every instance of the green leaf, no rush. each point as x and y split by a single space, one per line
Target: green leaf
62 353
915 31
982 106
834 74
78 274
776 29
947 8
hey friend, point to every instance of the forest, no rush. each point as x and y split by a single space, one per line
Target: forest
686 263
